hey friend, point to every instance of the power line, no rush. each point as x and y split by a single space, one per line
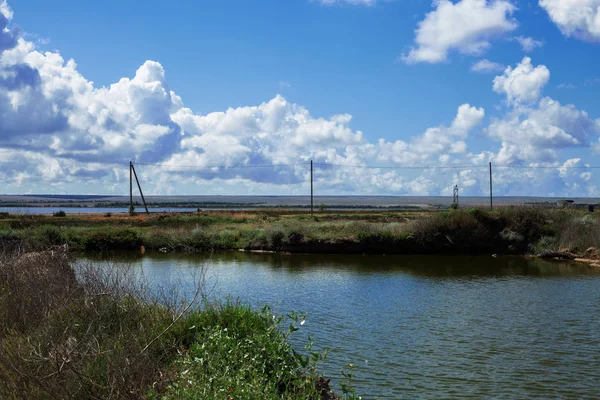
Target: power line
545 167
238 166
401 167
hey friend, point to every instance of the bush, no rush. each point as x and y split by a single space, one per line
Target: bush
531 222
578 233
275 237
112 240
60 213
46 236
244 352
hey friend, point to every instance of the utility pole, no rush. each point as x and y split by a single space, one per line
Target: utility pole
131 208
491 196
140 187
311 188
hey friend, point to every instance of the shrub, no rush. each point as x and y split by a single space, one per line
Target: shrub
578 233
8 236
365 232
275 237
531 222
245 352
60 213
111 240
47 235
544 244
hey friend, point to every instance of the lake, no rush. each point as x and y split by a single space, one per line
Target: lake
424 326
87 210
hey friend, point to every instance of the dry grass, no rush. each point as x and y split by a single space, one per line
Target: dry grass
32 285
95 335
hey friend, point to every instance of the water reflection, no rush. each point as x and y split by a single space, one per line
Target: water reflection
429 266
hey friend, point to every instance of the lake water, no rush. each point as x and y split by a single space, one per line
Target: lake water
425 327
86 210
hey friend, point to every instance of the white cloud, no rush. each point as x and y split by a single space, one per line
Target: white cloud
536 134
487 66
466 26
577 18
586 176
443 140
528 44
522 84
564 169
6 10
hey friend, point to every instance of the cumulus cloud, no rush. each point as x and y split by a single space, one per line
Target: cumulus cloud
523 83
487 66
576 18
443 139
466 26
536 134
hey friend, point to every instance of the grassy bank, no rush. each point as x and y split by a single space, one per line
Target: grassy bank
94 333
508 230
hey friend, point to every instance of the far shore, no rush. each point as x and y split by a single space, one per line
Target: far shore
516 230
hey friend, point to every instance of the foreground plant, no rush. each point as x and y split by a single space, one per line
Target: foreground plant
242 354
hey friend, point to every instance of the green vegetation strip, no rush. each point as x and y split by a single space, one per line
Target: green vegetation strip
509 230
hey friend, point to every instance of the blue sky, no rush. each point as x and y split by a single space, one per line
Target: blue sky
401 69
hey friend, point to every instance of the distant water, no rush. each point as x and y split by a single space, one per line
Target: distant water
231 201
85 210
425 326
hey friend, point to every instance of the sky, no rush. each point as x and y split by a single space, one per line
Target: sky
387 97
